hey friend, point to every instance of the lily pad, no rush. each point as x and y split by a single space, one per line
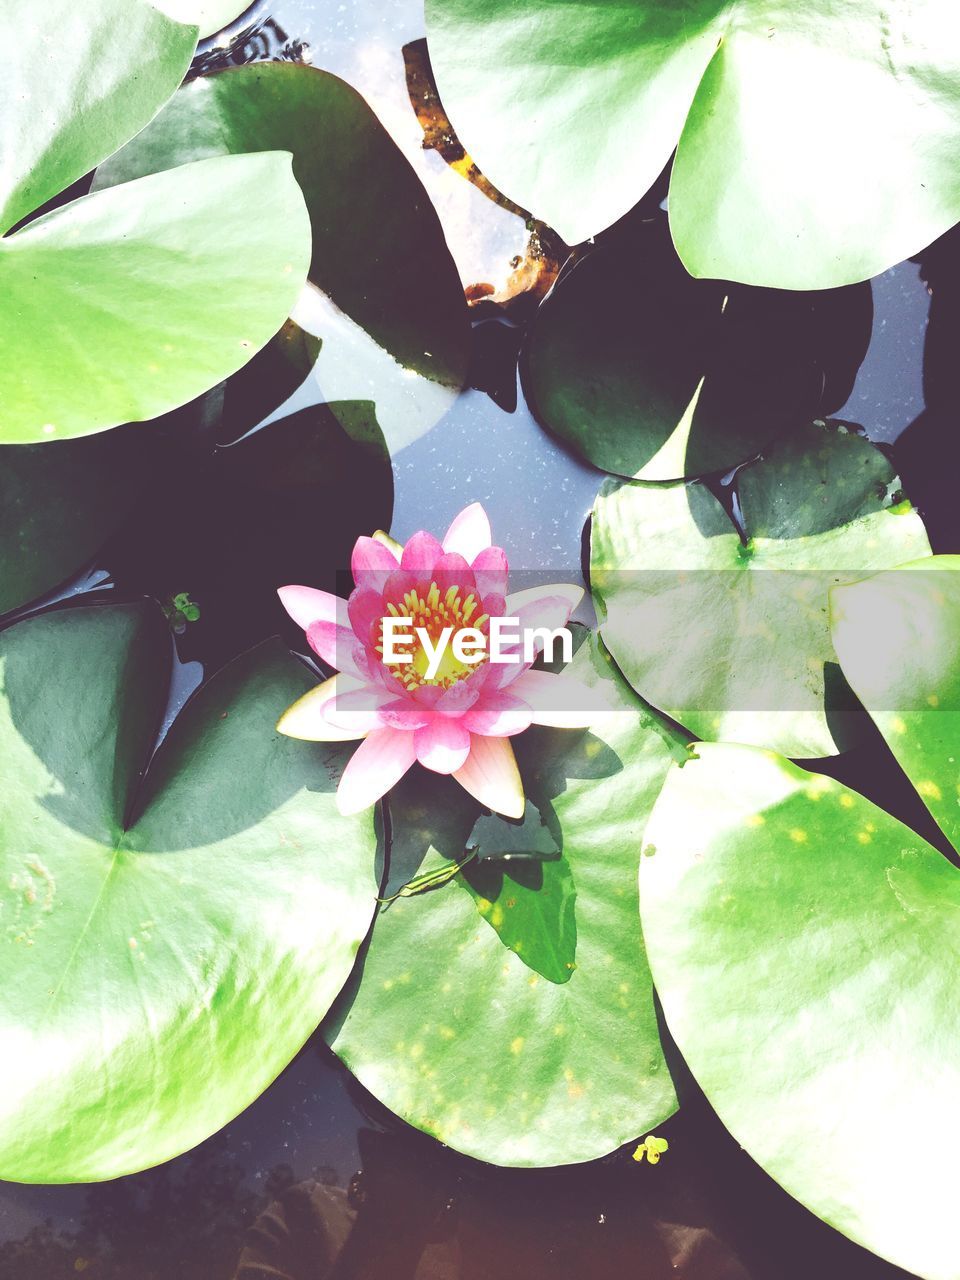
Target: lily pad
821 508
378 248
461 1022
651 374
896 637
502 839
167 946
147 295
262 386
59 504
77 83
805 946
284 504
756 183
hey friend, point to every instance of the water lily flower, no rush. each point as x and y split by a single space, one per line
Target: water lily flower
450 715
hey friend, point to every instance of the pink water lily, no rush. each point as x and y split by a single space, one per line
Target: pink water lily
459 719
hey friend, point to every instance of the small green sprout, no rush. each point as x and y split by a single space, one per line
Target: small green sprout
652 1147
179 611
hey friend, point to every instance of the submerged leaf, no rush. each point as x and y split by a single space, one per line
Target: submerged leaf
285 504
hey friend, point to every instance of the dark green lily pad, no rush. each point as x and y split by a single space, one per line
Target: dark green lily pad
283 505
59 504
651 374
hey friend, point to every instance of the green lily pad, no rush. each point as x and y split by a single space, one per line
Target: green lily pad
77 83
220 284
461 1022
532 907
651 374
147 295
804 945
896 637
754 194
821 508
378 248
167 947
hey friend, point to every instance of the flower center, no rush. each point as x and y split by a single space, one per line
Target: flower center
432 613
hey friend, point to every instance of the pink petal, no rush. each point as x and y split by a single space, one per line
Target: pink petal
378 764
357 710
499 716
403 713
443 745
421 553
469 534
491 571
366 609
451 570
491 776
392 545
541 610
460 697
337 646
306 605
493 605
504 674
371 562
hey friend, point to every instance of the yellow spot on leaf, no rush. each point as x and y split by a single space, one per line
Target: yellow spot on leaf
929 790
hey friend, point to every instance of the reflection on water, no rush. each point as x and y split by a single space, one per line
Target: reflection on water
254 37
362 42
317 1182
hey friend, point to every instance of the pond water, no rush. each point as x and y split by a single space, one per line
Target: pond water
316 1180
